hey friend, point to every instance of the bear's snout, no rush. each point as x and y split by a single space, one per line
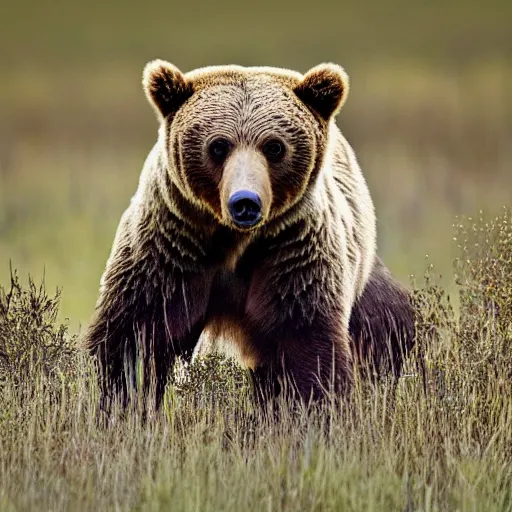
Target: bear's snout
245 189
245 208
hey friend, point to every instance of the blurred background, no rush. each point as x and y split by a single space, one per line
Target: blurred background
429 115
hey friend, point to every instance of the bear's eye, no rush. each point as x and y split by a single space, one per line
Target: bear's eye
219 149
274 150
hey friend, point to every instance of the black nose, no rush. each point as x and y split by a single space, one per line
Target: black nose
245 208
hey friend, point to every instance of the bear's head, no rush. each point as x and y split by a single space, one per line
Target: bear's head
245 143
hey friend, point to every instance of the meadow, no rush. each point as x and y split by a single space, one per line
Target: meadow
430 117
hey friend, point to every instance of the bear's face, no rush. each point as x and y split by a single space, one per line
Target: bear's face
245 143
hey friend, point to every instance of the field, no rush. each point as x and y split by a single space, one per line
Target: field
430 117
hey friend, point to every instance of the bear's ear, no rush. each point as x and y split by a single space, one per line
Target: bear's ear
324 89
165 86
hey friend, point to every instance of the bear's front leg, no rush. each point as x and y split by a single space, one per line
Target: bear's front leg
300 331
149 315
304 362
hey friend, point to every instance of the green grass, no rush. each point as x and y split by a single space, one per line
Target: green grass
442 440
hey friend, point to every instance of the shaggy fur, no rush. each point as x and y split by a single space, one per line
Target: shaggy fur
298 292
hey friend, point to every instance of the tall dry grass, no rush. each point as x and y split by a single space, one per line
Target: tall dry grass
440 440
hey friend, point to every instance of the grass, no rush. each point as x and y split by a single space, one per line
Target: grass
442 440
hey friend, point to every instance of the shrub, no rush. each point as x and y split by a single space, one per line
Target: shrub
32 343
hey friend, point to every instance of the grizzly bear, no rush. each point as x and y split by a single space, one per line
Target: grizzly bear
252 221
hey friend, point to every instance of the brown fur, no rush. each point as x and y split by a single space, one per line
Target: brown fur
298 291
